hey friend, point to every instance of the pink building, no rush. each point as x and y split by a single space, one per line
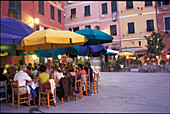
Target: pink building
101 15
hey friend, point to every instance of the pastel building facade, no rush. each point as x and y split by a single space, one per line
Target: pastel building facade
100 15
163 20
137 19
49 13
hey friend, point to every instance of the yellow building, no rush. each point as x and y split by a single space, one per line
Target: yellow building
137 19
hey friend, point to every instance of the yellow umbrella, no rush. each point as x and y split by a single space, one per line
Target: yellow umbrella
125 54
49 39
46 39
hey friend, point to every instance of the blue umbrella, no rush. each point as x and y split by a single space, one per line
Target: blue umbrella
95 37
12 31
94 50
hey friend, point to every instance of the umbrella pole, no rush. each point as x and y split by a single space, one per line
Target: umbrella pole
53 56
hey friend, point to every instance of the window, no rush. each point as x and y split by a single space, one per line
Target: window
150 25
70 29
87 10
88 26
59 16
166 2
41 7
148 3
14 9
160 3
52 12
113 30
75 29
139 43
114 6
104 8
167 23
131 28
129 4
73 13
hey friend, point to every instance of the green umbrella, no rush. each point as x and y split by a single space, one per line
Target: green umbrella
95 37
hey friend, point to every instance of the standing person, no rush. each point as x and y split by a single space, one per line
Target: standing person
87 66
22 78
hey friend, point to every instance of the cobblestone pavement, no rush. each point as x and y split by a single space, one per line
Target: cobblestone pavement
119 92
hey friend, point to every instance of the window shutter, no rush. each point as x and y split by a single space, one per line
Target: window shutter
148 3
167 23
104 8
59 16
52 12
113 30
114 6
41 7
131 28
129 4
87 10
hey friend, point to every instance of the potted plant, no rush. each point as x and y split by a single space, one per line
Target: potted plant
105 66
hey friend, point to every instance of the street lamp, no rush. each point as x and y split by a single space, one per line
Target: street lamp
116 56
59 56
34 57
167 56
37 20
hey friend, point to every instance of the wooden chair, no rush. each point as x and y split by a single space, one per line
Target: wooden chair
21 97
62 98
87 81
80 89
95 82
48 96
3 90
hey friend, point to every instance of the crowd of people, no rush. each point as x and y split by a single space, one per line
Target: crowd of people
41 73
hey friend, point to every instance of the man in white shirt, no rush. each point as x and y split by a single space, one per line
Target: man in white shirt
22 78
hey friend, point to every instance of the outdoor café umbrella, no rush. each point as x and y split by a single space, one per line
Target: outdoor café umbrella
111 52
95 37
50 39
73 52
95 50
13 31
125 53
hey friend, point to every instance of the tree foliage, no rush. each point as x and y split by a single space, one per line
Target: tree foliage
155 43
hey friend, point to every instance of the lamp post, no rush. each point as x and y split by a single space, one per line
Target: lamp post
34 57
167 56
36 22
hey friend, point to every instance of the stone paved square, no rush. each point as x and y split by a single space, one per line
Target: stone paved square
119 92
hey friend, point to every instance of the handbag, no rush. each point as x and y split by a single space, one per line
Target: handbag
47 85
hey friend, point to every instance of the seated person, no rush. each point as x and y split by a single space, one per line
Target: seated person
49 70
82 72
72 73
87 66
43 77
63 69
29 72
22 78
2 76
58 74
11 71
